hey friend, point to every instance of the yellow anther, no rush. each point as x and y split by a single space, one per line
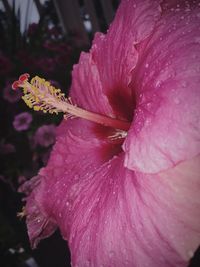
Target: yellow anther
41 95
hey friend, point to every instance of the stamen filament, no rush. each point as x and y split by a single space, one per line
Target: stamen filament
41 95
95 117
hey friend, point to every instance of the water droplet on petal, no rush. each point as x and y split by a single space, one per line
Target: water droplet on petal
184 84
127 262
158 83
148 105
197 40
140 96
176 101
87 263
111 254
190 253
187 9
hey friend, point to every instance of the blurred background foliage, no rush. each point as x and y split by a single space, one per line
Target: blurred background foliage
26 137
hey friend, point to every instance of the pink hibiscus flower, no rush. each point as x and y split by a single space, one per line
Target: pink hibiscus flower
22 121
45 135
129 198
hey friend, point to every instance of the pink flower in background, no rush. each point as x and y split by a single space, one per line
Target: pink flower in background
129 198
22 121
11 95
45 135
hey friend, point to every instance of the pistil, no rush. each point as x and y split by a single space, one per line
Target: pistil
41 95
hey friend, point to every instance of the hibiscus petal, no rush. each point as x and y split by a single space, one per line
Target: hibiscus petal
122 218
79 150
38 222
113 216
106 71
86 90
166 125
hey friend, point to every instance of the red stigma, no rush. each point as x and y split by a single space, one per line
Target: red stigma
15 85
22 78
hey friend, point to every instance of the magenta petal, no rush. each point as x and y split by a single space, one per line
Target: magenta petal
39 224
111 215
79 150
87 89
104 74
117 216
121 218
116 54
166 125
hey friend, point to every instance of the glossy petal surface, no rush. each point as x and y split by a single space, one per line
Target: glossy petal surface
139 206
166 125
107 70
116 222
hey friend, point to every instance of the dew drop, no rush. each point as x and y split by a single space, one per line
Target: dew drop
140 96
111 254
197 40
184 84
187 9
87 263
158 83
147 122
76 177
176 101
108 166
190 253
